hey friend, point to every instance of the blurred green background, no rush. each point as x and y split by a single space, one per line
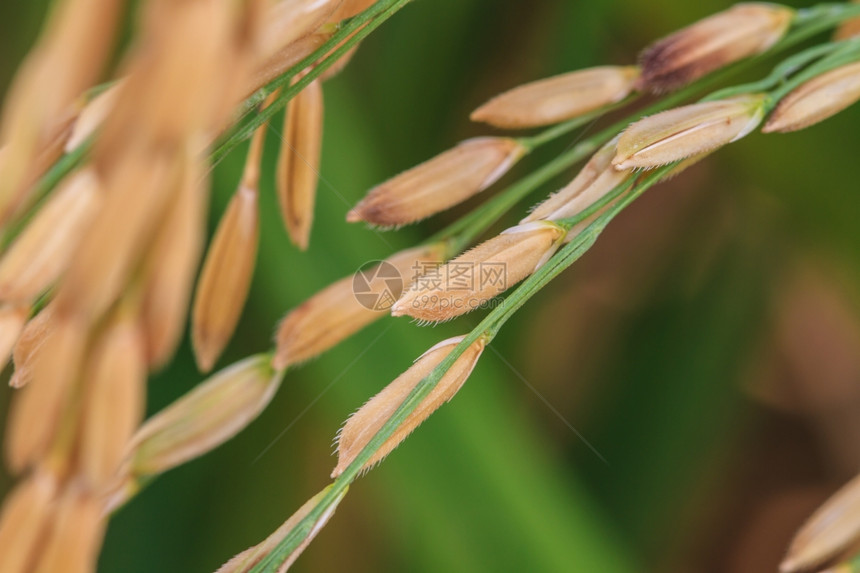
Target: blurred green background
708 348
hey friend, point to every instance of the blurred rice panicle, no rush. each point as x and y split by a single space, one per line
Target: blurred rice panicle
97 279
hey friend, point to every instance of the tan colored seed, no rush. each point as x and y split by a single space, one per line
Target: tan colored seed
467 282
290 20
27 513
438 184
830 531
299 162
76 44
287 57
350 8
336 313
206 417
596 178
603 185
245 561
76 534
559 98
31 340
12 321
139 187
848 28
93 115
43 250
229 265
171 265
739 32
686 131
38 409
114 395
816 100
176 79
364 424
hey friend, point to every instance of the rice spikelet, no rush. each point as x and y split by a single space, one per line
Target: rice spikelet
686 131
559 98
12 321
172 263
831 530
299 162
335 313
597 168
438 184
206 417
38 409
43 250
716 41
114 395
27 514
290 20
350 8
229 265
369 419
467 282
816 100
76 535
31 340
244 562
849 28
140 185
93 115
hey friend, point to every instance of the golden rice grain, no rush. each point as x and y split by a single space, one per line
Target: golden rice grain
467 282
741 31
290 20
335 313
350 8
31 340
831 530
584 188
27 513
299 162
848 28
76 534
816 100
229 265
38 409
686 131
171 264
43 250
206 417
559 98
139 187
93 115
12 321
364 424
113 398
438 184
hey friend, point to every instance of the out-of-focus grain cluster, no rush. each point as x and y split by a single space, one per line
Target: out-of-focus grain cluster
96 280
